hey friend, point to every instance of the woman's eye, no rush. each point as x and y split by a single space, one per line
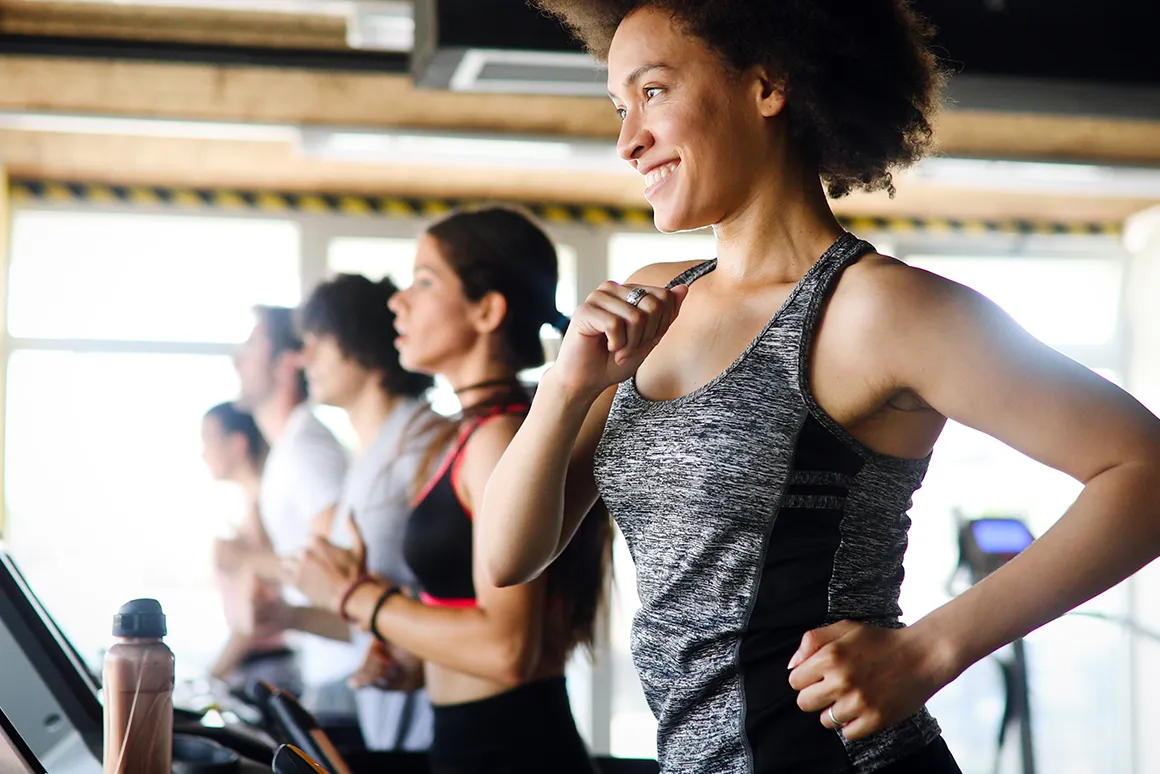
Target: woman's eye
652 91
622 112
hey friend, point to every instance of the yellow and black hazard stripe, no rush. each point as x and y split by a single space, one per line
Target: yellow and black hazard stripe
269 202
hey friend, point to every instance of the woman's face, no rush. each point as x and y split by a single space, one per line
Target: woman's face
334 378
218 450
433 318
692 127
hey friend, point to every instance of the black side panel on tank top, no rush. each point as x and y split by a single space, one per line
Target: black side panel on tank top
793 595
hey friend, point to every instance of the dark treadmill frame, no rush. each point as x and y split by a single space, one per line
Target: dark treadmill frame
19 746
56 661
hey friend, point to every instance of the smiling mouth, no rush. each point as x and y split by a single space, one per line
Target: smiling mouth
657 176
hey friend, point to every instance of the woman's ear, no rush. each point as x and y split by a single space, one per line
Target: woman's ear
490 312
770 93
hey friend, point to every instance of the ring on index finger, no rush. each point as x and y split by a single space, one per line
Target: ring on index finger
635 296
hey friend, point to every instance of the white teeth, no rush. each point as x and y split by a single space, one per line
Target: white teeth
660 173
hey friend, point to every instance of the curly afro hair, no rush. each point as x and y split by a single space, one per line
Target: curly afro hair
862 82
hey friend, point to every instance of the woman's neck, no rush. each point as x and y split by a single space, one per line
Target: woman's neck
780 231
477 381
368 411
250 480
273 414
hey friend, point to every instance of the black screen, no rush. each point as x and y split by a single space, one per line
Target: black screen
45 690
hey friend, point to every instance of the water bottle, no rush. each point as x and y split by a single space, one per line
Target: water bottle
138 693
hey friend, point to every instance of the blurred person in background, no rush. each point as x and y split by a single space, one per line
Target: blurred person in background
235 451
300 487
351 363
485 284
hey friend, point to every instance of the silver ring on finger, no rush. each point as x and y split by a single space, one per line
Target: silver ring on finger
838 725
635 296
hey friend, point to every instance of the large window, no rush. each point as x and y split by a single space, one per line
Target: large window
108 498
373 257
629 252
146 277
121 331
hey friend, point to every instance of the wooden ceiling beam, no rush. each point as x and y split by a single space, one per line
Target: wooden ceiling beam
265 95
241 94
219 27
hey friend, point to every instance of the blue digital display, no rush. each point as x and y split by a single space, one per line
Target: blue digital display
1001 536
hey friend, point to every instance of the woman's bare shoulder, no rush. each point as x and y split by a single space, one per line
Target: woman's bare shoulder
879 289
661 274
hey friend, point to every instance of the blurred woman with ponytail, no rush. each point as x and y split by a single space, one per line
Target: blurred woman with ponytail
485 283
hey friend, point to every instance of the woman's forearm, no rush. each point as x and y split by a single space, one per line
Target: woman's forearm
266 565
320 622
522 520
461 639
232 653
1110 532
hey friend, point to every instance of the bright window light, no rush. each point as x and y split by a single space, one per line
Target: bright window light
373 258
147 277
628 252
104 473
1062 302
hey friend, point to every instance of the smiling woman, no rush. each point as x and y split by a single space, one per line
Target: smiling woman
833 62
758 423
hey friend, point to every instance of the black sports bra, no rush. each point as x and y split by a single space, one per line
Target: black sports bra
437 544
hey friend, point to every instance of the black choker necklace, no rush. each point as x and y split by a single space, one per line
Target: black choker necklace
509 382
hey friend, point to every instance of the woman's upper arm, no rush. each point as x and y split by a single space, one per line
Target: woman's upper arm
972 363
580 490
515 610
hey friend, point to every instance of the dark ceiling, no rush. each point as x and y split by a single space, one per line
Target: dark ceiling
1049 56
1115 41
1045 56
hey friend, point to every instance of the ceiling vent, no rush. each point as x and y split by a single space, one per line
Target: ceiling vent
499 46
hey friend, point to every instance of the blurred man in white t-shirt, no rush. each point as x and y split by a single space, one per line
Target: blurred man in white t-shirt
300 486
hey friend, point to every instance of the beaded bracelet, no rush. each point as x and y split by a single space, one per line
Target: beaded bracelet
346 595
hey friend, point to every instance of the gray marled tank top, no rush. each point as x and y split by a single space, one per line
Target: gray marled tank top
752 518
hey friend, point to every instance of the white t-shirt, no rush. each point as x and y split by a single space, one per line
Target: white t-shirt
377 492
303 477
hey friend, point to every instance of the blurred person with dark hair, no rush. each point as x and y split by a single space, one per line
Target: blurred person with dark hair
300 486
351 363
234 450
485 283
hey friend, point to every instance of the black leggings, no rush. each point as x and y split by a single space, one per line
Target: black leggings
935 758
527 730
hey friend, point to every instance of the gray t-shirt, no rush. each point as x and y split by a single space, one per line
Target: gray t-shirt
377 491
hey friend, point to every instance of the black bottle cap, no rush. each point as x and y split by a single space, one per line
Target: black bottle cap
140 618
